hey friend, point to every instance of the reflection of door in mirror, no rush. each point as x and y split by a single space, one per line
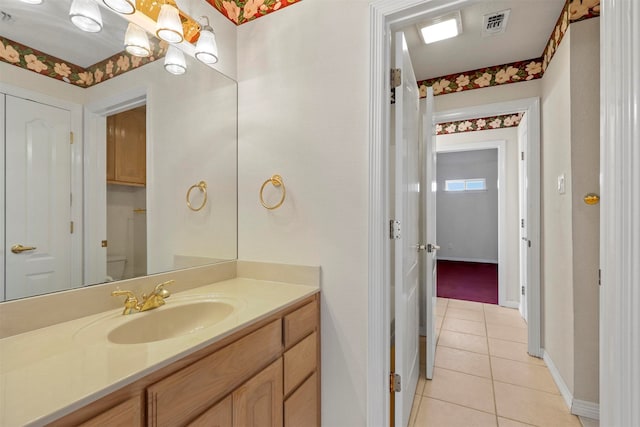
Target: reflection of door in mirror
38 160
126 194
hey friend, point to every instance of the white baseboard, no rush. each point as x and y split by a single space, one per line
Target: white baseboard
586 409
511 304
484 261
562 386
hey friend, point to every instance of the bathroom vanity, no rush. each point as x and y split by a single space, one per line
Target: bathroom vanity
257 363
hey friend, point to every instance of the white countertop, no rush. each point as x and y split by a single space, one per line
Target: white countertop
50 372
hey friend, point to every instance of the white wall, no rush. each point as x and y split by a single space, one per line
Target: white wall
512 255
467 222
585 165
487 95
304 114
191 136
123 227
10 74
557 248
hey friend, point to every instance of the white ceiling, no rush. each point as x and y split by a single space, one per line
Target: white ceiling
528 30
47 28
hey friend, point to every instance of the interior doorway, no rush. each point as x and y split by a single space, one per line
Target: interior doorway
467 225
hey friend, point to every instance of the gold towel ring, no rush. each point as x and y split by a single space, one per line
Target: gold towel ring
276 181
203 187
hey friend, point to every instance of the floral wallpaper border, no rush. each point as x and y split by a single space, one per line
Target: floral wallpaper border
242 11
573 11
484 123
39 62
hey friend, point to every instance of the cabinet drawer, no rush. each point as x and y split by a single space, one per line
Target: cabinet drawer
300 323
301 408
126 414
299 362
181 397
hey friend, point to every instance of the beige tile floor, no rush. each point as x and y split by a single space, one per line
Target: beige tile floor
483 375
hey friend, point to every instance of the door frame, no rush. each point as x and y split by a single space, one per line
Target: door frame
385 15
75 111
619 213
501 146
95 177
531 108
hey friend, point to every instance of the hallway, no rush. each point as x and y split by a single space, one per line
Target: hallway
483 375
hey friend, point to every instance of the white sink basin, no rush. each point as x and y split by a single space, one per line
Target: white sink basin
178 317
169 322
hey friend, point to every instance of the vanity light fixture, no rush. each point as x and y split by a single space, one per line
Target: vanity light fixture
125 7
136 41
207 48
174 61
32 1
169 26
441 28
85 15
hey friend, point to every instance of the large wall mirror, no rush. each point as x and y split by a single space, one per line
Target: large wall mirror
131 176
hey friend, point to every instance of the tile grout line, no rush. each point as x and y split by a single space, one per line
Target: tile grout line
493 387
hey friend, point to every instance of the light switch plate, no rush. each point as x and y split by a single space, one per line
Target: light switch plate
561 189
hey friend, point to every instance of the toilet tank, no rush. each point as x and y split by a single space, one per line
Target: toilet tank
115 266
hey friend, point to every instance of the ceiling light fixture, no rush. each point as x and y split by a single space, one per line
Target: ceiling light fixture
32 1
174 61
441 28
85 15
136 41
207 48
125 7
169 26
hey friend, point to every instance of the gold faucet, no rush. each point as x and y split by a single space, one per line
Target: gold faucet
154 300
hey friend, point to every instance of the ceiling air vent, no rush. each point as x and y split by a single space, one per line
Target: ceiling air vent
495 23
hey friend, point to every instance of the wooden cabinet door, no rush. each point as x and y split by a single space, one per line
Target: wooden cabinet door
301 408
127 147
130 147
111 148
220 415
258 402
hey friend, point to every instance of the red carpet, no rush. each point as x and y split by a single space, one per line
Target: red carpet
470 281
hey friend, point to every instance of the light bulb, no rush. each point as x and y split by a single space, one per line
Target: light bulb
125 7
136 41
85 15
207 48
174 61
33 1
169 26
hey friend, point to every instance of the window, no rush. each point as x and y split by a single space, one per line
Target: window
461 185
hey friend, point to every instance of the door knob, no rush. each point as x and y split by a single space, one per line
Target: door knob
17 249
431 247
421 247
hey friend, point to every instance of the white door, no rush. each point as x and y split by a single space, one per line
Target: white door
407 204
38 201
429 233
524 220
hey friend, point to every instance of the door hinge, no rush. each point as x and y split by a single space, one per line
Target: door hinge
522 290
71 137
522 223
70 199
599 277
529 243
394 229
104 243
396 77
71 228
522 155
395 383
